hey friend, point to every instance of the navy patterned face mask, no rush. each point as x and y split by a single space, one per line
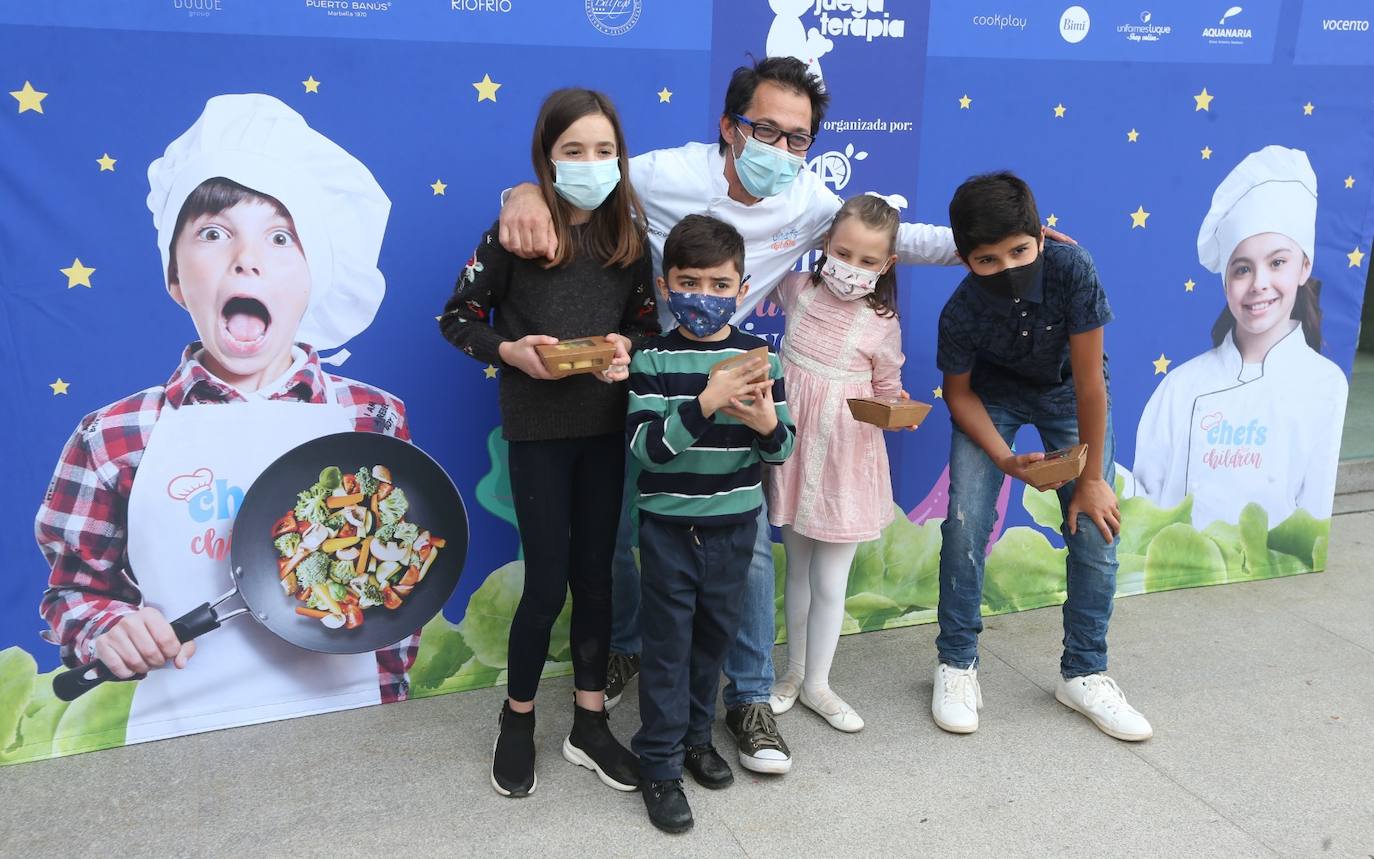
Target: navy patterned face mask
699 313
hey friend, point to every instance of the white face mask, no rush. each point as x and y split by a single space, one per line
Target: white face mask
847 282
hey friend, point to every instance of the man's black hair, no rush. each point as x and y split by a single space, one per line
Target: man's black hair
787 72
987 209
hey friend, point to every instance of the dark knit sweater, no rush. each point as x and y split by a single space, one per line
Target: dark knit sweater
501 297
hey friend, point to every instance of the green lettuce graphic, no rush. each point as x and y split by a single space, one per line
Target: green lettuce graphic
1023 571
493 490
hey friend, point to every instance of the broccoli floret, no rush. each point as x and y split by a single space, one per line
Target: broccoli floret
288 543
341 571
313 570
334 521
310 505
367 484
393 507
386 533
372 595
406 532
317 601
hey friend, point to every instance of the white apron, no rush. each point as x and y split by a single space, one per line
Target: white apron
178 542
1273 439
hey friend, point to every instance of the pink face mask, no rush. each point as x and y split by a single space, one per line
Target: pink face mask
847 282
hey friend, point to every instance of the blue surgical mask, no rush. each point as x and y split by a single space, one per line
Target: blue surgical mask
766 170
586 184
699 313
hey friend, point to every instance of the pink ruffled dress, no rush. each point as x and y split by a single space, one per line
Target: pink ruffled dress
836 486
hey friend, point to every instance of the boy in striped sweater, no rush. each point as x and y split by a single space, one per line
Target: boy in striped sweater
702 438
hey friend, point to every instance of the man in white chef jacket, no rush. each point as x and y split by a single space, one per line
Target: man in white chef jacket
269 234
1257 418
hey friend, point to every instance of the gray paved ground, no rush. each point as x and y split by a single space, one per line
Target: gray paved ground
1262 696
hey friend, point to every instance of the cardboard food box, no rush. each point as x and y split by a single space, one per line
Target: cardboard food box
745 357
582 355
735 361
888 412
1058 466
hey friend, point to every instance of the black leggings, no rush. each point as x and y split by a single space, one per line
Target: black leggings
567 495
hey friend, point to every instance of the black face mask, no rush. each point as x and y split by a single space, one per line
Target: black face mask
1010 282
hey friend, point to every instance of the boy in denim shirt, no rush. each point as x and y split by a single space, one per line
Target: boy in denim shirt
1021 343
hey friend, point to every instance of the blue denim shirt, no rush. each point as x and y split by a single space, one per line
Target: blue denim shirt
1017 347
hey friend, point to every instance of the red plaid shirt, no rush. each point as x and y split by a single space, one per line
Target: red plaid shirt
81 525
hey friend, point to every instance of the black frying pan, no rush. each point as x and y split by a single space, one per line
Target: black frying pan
434 505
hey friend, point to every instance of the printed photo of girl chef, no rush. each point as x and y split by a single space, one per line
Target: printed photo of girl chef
269 234
1258 418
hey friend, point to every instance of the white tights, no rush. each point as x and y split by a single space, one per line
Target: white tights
813 600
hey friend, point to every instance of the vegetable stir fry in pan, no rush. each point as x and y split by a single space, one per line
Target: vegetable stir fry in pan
347 547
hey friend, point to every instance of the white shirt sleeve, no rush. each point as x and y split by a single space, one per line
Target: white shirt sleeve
923 244
1319 481
820 211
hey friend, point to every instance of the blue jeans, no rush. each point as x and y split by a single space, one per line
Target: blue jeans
749 662
691 605
974 481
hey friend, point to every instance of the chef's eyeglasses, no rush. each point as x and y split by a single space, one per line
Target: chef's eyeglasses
797 141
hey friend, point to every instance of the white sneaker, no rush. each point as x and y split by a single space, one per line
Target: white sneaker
785 691
1099 698
833 709
956 699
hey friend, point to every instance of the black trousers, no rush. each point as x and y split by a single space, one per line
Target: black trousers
567 495
692 582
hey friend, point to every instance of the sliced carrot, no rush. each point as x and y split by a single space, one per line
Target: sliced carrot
311 612
437 542
335 502
334 544
433 553
362 558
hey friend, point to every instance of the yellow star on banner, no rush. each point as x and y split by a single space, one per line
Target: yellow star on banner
1350 181
665 95
1133 135
1203 100
489 372
1161 364
311 85
1308 108
106 162
939 392
1206 153
1059 110
964 102
29 98
438 188
1052 220
1356 257
1138 217
1188 285
439 317
486 89
78 274
59 387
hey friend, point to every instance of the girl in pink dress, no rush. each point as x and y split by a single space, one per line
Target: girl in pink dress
834 492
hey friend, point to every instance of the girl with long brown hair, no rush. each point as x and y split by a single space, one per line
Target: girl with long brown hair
566 436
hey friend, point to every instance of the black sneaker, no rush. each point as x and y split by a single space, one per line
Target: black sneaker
512 758
592 745
667 805
761 747
708 767
619 671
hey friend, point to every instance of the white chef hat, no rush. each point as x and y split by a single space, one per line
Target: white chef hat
1271 191
339 210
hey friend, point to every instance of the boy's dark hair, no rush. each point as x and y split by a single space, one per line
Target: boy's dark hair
788 73
210 198
987 209
701 241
